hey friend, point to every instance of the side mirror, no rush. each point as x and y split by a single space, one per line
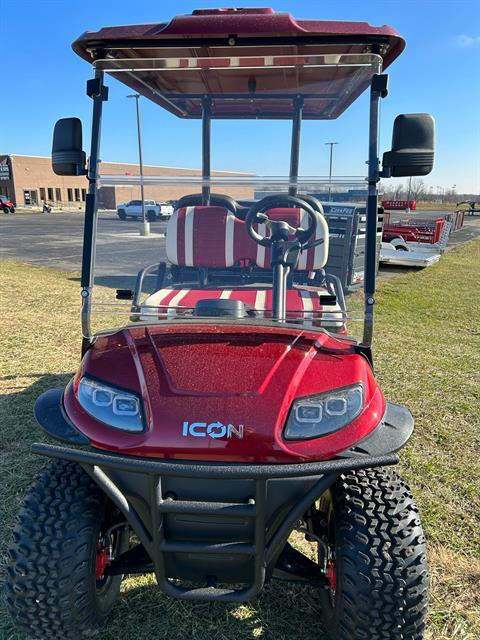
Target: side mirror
68 157
413 144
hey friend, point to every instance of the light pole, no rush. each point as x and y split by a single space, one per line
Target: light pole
330 173
408 195
145 229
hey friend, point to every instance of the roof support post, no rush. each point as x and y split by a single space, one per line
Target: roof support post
99 94
378 90
206 127
295 147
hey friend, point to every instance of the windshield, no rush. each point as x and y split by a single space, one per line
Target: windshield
204 259
199 262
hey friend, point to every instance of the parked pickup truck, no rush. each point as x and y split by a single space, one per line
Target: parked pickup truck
153 210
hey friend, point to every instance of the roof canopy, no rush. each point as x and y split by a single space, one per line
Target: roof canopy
250 62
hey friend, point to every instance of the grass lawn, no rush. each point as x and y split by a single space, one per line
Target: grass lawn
436 206
427 357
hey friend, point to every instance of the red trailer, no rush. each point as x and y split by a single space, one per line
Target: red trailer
425 231
399 205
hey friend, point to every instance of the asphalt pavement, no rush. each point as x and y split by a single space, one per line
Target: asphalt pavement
56 239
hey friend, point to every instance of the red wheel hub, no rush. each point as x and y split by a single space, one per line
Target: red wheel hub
331 574
102 561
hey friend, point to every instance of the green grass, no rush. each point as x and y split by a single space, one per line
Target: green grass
427 357
436 206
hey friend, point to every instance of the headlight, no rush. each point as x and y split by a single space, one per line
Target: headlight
324 413
116 408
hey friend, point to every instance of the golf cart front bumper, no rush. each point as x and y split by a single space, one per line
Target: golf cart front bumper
212 522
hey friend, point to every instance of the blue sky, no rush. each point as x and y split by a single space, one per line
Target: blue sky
439 72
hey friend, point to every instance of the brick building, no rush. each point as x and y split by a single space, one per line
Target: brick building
29 180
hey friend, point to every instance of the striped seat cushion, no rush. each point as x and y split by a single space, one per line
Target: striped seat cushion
212 237
301 303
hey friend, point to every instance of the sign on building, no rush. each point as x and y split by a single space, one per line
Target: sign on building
4 172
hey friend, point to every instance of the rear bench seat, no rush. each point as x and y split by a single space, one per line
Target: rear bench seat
211 237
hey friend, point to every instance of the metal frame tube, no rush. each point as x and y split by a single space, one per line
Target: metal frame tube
212 470
378 90
295 147
279 285
99 96
206 136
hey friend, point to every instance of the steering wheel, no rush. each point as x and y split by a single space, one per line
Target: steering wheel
256 215
314 202
216 199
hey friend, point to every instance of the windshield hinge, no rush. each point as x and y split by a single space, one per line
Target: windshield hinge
380 84
96 89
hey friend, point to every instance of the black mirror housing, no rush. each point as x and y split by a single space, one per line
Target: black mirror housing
68 157
413 146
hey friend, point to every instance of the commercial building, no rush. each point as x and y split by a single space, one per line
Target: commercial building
29 180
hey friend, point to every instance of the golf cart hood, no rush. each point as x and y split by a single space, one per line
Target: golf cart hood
244 35
242 378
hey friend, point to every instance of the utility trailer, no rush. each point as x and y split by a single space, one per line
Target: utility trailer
347 225
413 230
399 205
396 256
417 242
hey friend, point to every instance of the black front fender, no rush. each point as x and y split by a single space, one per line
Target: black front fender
391 434
51 416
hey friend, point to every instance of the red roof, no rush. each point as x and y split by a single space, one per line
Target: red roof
225 33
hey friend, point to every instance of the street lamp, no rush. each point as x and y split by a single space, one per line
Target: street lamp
408 195
330 174
145 229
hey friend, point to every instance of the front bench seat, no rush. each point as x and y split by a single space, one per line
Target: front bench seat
212 237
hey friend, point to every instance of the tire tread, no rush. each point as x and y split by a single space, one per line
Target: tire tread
384 573
48 590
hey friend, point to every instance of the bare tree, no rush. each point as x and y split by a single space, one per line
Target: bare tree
399 192
451 194
386 188
418 189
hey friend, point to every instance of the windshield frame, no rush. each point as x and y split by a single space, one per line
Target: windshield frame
263 86
99 95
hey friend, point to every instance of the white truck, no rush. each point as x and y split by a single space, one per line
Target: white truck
153 210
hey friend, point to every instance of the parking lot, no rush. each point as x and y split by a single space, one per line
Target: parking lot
55 240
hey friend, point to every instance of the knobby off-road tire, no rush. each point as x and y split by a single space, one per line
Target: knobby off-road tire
51 589
380 559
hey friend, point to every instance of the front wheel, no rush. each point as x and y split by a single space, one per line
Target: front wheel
66 534
6 210
151 216
122 214
374 556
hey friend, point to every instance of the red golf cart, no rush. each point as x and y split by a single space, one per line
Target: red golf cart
232 404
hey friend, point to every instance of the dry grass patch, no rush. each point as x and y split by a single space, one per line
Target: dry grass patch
455 599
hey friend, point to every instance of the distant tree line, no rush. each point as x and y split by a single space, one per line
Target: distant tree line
421 192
